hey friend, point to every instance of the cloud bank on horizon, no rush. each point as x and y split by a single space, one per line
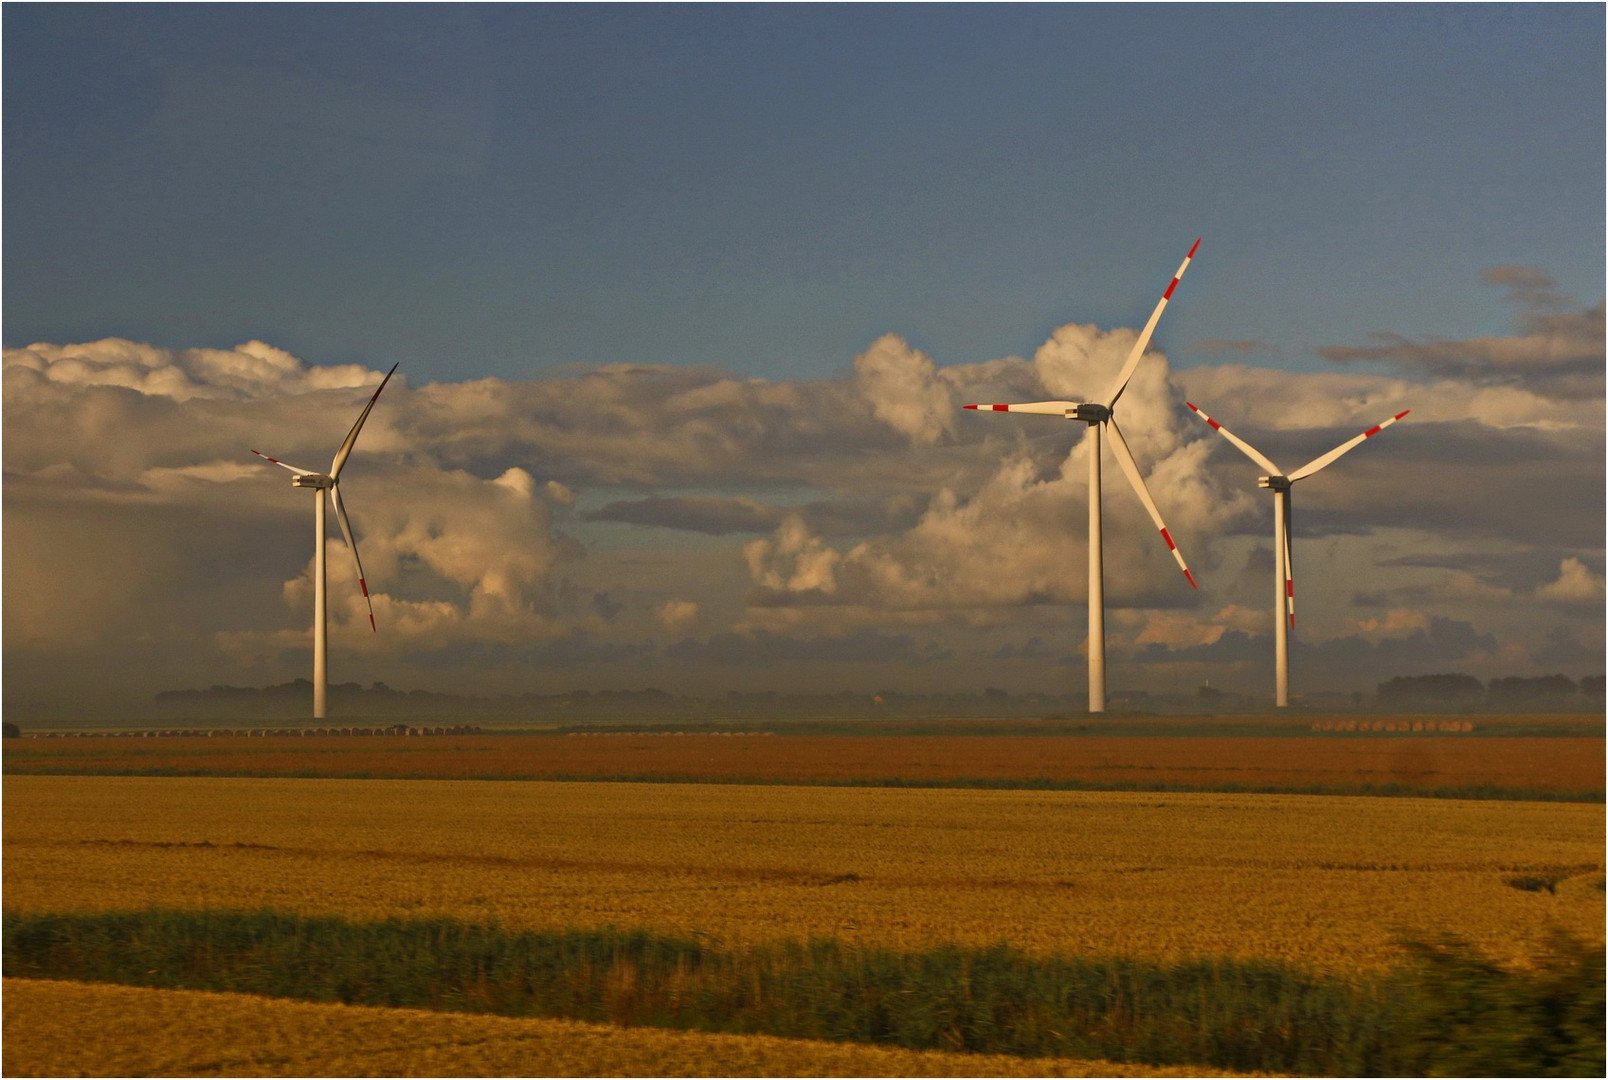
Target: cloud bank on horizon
698 530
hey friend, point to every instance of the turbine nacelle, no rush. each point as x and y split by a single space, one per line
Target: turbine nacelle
312 480
1274 483
1090 413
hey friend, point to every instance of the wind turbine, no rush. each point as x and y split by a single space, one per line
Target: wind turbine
1283 547
320 483
1098 415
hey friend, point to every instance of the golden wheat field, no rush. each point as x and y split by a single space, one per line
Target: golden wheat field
1327 881
85 1029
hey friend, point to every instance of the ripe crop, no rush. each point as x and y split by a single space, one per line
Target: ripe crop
1331 883
85 1029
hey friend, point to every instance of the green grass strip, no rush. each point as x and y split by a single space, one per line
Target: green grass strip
1448 1012
1476 792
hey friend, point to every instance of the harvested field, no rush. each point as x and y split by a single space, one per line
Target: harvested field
85 1029
1518 766
1333 883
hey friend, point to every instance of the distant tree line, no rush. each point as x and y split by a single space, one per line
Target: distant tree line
1513 692
290 700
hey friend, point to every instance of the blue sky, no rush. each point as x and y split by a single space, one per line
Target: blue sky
502 190
687 300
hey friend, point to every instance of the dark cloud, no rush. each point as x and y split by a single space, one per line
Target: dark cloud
1349 661
764 649
1528 287
1556 352
606 606
1462 481
1566 649
710 515
568 651
1031 649
1514 570
716 516
1465 478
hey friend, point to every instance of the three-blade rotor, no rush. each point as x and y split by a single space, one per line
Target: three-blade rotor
1119 449
1281 483
1102 413
332 483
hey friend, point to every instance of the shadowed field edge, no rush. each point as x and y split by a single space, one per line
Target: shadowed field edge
1448 1010
1475 792
144 1031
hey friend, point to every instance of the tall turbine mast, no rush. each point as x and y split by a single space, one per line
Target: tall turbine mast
1283 544
320 483
1101 416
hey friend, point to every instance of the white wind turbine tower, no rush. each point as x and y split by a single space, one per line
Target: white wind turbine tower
320 483
1283 547
1100 415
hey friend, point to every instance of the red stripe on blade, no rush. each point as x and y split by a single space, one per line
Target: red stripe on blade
1191 578
1401 414
968 406
1213 424
1371 432
364 584
1001 408
1168 294
372 627
1192 250
1289 588
1168 537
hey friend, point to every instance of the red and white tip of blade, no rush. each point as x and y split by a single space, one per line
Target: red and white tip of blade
1213 424
1178 556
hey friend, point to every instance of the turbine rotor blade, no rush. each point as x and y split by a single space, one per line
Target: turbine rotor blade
351 437
1144 337
346 531
1328 459
1119 449
1289 558
282 465
1244 447
1043 408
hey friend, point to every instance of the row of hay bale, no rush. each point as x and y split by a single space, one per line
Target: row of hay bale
589 734
1394 725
